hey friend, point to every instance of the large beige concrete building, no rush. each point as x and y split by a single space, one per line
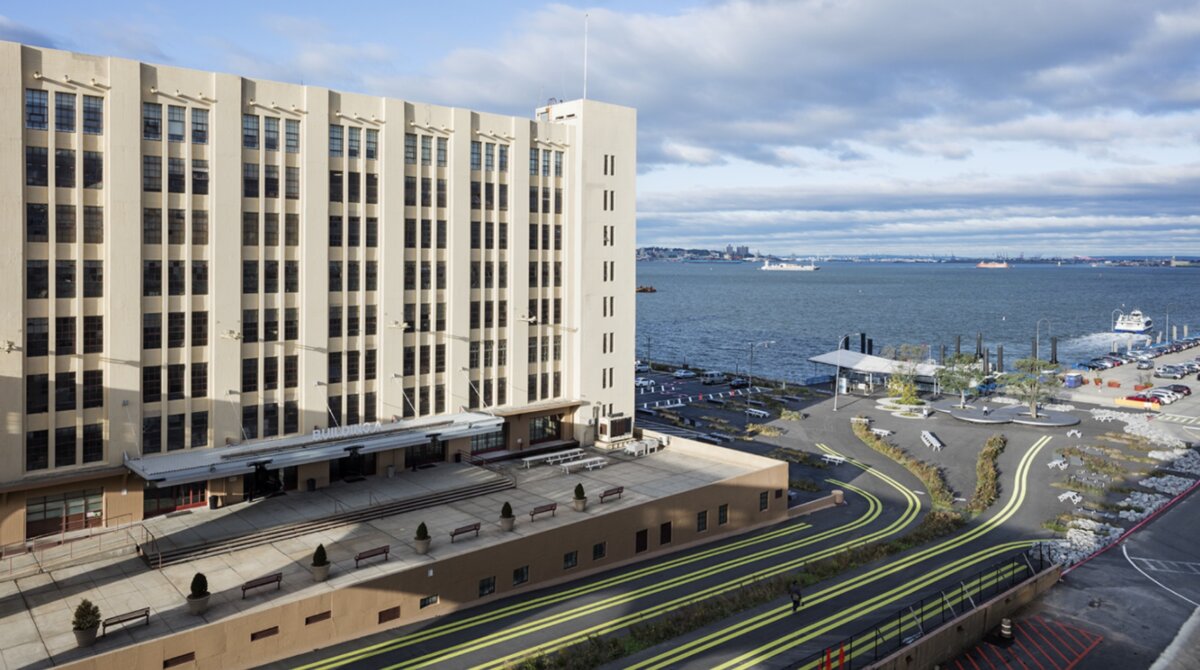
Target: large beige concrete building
220 286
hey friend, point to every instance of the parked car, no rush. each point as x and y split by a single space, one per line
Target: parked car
1167 397
738 383
1190 366
682 373
1145 365
1182 389
1143 398
642 382
641 366
1102 363
1169 372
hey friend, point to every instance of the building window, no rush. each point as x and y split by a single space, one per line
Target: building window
64 336
335 141
64 224
701 521
487 586
64 392
152 174
249 277
570 560
175 374
64 446
353 142
64 168
200 126
93 115
93 389
504 158
271 181
476 161
37 337
93 334
292 187
722 515
292 136
441 152
249 375
37 222
175 123
270 133
151 121
37 279
199 329
37 452
249 131
372 144
199 227
250 180
200 277
199 176
641 541
64 279
37 166
37 113
763 501
199 380
93 443
199 429
410 149
335 186
151 383
64 112
521 575
93 169
176 175
533 162
664 533
599 550
291 230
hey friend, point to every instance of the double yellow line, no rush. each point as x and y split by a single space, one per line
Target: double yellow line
874 510
782 643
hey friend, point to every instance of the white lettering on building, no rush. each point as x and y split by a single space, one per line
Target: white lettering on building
346 431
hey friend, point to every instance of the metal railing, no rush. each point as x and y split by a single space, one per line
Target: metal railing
73 541
913 621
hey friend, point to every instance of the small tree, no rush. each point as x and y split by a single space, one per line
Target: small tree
1029 385
506 511
199 585
87 616
579 495
957 375
319 557
422 531
902 382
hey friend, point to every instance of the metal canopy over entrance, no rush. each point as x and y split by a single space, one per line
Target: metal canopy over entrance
321 445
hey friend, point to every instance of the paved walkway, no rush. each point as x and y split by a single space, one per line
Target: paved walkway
980 411
35 612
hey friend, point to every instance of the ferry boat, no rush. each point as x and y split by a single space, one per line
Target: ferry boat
646 289
1133 322
993 265
789 267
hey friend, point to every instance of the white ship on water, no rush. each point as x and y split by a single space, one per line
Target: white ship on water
789 267
1133 322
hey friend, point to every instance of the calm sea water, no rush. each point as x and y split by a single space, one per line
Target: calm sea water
706 315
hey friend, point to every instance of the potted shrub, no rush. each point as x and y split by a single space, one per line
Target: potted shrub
580 500
320 564
507 520
85 623
197 600
422 538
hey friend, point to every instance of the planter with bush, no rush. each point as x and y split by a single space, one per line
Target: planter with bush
580 500
320 564
421 539
86 623
507 520
197 600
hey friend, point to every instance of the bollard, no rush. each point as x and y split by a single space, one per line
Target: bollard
1006 628
839 497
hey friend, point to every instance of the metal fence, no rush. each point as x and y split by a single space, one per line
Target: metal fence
911 622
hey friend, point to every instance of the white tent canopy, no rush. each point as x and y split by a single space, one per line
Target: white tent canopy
871 365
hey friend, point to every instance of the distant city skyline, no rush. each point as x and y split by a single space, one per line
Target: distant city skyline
809 128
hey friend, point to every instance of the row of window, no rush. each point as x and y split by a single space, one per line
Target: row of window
410 150
545 349
427 200
545 237
410 275
176 431
423 324
501 394
37 335
483 235
488 201
152 381
270 324
431 359
489 314
69 393
545 162
370 325
152 226
354 235
152 278
37 223
176 175
545 274
270 181
545 315
370 278
421 401
489 156
351 416
353 371
547 390
353 144
353 186
493 275
37 112
177 330
545 200
270 373
37 168
500 347
152 126
37 279
70 443
270 133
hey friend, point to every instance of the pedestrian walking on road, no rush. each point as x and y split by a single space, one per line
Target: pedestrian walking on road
797 596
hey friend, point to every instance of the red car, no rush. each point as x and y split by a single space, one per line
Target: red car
1143 398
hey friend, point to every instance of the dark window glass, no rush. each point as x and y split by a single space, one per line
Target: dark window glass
152 174
37 109
200 126
37 169
37 336
151 383
93 115
64 168
93 389
151 121
151 278
37 222
93 334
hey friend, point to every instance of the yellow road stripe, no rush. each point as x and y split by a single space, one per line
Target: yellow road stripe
746 626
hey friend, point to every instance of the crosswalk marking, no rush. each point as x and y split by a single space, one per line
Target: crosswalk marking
1174 567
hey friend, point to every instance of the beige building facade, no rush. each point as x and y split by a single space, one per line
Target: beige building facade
220 287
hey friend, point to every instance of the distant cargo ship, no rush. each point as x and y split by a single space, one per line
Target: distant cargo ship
993 265
788 267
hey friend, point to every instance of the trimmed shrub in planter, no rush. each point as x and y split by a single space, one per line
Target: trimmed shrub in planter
507 520
320 564
580 500
85 623
422 539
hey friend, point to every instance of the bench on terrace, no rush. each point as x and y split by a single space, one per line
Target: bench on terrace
469 528
125 618
383 551
276 579
615 491
540 509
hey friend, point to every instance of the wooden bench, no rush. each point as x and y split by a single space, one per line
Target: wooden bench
616 491
276 579
125 618
551 508
471 527
930 440
383 551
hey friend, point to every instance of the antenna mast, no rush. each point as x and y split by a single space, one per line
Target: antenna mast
585 57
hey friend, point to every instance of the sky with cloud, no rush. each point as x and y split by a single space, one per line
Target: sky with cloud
814 127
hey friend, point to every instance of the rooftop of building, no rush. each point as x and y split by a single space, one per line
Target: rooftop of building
36 611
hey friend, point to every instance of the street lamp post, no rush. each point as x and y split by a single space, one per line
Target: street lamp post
1037 336
750 371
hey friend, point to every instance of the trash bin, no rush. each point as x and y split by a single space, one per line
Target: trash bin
310 485
391 471
212 502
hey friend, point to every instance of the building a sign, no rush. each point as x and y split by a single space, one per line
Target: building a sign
337 432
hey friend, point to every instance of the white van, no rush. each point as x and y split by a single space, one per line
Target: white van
710 378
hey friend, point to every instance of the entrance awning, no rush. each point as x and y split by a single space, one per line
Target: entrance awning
868 364
196 465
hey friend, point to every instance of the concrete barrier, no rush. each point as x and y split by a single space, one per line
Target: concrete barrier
832 500
958 635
